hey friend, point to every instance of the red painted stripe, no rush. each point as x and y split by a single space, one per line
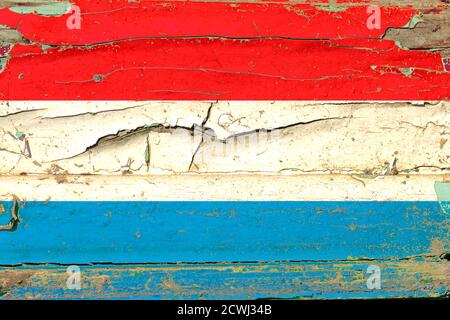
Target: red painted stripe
106 21
182 56
184 69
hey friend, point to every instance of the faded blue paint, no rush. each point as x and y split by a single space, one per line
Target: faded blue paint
133 232
222 281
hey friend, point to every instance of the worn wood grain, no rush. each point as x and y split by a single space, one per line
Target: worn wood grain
232 50
295 280
226 187
178 137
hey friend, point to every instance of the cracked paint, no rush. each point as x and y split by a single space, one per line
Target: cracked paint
48 10
251 76
180 137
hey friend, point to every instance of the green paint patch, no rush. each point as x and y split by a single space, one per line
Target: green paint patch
407 72
399 44
51 9
20 135
3 62
416 19
332 7
45 47
442 190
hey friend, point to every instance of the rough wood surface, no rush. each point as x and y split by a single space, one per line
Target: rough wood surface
231 187
179 137
231 49
295 280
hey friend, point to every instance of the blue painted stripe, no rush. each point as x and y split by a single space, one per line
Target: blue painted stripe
298 280
132 232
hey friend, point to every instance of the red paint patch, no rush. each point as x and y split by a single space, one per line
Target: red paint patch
4 50
198 69
446 62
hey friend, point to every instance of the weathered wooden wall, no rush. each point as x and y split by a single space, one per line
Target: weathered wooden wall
224 149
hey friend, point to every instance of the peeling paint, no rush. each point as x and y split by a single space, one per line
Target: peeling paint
5 48
407 72
332 7
446 64
49 10
410 278
416 19
15 219
443 195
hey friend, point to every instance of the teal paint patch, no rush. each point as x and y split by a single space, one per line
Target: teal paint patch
442 190
332 7
20 135
45 47
398 44
52 9
416 19
407 72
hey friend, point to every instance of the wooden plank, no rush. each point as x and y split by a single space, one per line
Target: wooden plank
110 21
225 187
139 232
155 50
227 70
293 280
158 137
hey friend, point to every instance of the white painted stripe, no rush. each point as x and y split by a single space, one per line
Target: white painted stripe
197 187
327 150
91 137
53 108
